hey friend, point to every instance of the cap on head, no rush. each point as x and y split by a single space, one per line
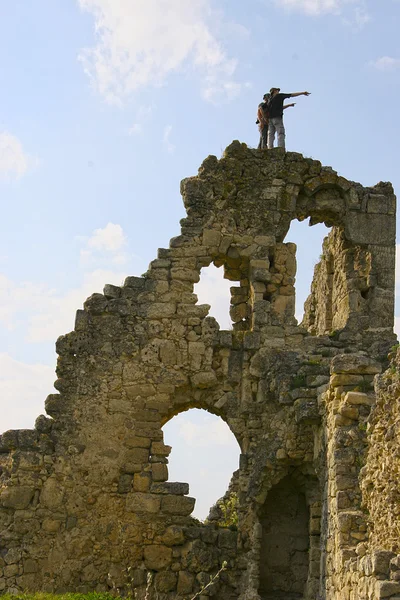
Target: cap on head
272 90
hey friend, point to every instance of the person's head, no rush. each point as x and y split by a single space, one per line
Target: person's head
266 97
274 91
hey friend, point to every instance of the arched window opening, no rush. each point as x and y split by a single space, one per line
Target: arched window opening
204 454
309 252
214 290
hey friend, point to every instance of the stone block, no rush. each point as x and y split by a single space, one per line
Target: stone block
165 582
185 274
204 380
306 410
135 441
136 456
170 487
125 483
11 570
185 582
359 398
251 340
160 449
159 472
375 229
143 503
13 556
386 589
378 203
211 237
346 379
51 525
239 312
381 562
141 482
177 505
227 539
173 536
354 363
157 557
168 352
16 497
161 310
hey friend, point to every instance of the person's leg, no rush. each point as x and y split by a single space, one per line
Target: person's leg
264 135
271 133
260 143
280 130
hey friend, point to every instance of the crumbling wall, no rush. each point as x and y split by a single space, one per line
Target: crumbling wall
85 500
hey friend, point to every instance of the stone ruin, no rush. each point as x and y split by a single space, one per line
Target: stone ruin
85 501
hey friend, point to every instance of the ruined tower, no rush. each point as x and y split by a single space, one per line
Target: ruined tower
85 495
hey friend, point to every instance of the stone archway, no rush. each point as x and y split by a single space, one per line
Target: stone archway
205 454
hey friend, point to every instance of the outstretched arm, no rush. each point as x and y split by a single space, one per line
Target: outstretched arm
300 94
289 105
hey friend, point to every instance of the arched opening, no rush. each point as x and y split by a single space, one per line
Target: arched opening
309 252
290 545
204 454
214 290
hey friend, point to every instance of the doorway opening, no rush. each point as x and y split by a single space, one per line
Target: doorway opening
289 561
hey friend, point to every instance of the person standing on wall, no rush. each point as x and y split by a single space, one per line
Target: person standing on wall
262 121
275 111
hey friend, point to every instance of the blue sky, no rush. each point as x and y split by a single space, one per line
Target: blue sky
107 104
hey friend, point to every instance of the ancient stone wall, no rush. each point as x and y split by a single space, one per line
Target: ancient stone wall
85 500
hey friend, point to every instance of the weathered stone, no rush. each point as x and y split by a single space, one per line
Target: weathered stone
173 536
159 472
165 582
204 380
139 502
157 557
387 589
16 497
177 505
354 363
85 496
169 487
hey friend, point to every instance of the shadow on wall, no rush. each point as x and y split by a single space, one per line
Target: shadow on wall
204 454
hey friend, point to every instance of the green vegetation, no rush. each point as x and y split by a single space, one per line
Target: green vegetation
298 382
229 512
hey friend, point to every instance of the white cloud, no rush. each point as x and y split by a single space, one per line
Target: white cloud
207 432
166 139
23 390
143 115
14 162
142 42
386 63
359 15
105 246
44 312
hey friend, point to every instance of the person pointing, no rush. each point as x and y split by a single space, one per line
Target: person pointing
275 110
